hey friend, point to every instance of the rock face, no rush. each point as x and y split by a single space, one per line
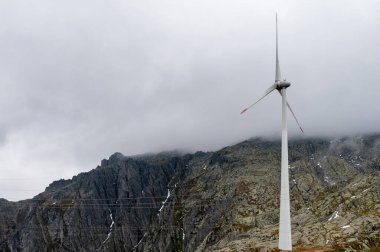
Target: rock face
218 201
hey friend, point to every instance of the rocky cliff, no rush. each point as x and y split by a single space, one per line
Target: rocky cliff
226 200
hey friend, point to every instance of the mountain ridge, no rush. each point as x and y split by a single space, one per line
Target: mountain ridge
225 200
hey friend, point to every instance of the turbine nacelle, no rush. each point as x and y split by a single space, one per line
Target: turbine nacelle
281 84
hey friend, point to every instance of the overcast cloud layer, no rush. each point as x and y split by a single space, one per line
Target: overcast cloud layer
81 80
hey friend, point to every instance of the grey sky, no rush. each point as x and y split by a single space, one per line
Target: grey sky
81 80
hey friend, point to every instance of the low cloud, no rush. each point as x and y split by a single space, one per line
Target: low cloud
82 80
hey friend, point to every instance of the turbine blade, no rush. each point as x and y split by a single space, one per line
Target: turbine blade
278 72
294 115
270 89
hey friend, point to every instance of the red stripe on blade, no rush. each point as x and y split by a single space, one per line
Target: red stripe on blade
243 110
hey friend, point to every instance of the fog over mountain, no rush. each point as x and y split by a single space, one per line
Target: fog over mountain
83 79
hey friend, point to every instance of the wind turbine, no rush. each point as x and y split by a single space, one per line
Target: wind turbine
285 232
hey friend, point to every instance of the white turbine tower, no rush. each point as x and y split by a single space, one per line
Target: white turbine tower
285 235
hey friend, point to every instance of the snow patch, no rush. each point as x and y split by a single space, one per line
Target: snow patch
163 203
334 216
111 227
139 242
327 180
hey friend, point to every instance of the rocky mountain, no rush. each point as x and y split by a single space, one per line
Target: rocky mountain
226 200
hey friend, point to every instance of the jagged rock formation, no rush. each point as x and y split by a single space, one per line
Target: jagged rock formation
218 201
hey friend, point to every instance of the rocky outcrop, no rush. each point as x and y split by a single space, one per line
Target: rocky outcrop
106 209
230 201
219 201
